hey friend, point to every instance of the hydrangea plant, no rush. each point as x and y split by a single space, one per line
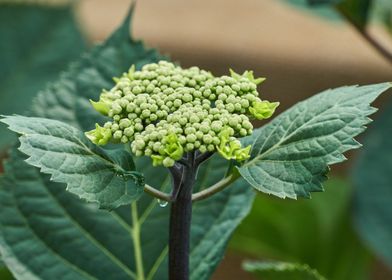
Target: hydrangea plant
157 118
165 112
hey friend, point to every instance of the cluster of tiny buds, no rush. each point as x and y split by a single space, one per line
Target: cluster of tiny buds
164 111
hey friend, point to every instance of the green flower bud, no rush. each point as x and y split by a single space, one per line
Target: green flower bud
102 106
168 162
263 110
99 135
173 147
216 126
117 135
124 123
114 127
116 108
211 148
138 127
189 147
242 154
164 111
202 149
124 139
157 160
191 138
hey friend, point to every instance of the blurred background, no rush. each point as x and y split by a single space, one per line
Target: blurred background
346 232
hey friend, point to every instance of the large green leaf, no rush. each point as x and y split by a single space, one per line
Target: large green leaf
291 154
282 271
65 153
88 243
317 232
372 176
36 44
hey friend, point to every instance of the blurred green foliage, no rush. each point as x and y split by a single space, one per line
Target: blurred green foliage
5 274
358 12
281 271
36 43
372 176
317 232
372 209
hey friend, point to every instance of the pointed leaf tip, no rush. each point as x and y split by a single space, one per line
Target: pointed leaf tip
291 154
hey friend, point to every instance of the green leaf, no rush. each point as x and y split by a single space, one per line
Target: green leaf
372 176
85 242
67 99
282 271
88 243
315 231
65 153
291 154
36 44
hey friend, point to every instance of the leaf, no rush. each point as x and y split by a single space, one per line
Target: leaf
282 271
67 99
65 153
317 232
372 176
88 243
36 44
291 154
84 242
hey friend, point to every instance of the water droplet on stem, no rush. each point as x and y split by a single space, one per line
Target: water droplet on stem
162 203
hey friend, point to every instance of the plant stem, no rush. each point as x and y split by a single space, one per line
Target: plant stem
180 224
219 186
156 193
137 244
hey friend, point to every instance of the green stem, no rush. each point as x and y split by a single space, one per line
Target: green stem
136 243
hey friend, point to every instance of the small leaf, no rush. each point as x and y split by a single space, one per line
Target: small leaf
64 152
282 271
290 155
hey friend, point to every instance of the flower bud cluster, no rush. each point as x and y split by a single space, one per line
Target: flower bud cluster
164 111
